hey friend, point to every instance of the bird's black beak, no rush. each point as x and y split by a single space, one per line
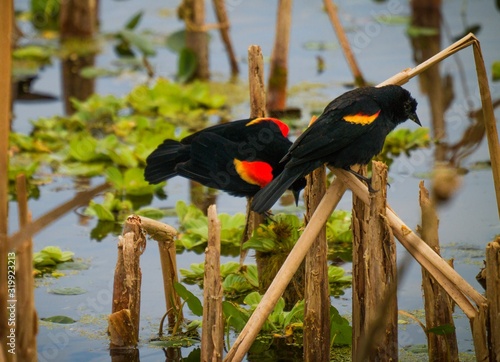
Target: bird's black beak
413 116
296 195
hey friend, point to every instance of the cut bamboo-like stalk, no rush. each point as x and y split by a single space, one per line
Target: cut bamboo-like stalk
7 9
27 321
257 109
493 296
317 297
165 236
374 276
437 304
127 285
212 333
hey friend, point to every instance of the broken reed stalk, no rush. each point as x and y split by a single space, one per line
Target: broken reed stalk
222 18
26 318
278 77
331 10
484 91
317 297
493 296
212 333
165 236
437 304
374 276
123 323
81 198
323 211
6 8
257 109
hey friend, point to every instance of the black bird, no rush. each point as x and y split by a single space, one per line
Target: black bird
238 157
351 130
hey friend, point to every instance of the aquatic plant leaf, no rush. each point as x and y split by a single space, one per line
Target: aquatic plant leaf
59 319
231 267
142 43
68 291
72 265
495 70
186 65
340 330
236 284
99 211
83 148
235 317
251 274
151 212
416 31
442 329
191 300
134 20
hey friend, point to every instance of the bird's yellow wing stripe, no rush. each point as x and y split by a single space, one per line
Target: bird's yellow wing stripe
362 119
254 172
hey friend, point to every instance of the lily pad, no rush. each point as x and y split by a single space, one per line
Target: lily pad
68 291
60 319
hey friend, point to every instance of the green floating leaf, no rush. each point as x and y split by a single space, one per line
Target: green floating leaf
134 21
97 72
60 319
392 19
340 330
176 41
416 31
495 70
442 329
186 66
235 316
192 301
68 291
72 265
139 41
99 211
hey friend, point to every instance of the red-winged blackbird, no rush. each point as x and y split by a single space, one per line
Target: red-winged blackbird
351 130
238 157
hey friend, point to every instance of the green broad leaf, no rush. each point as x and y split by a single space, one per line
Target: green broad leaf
135 184
175 342
393 19
53 252
59 319
186 65
442 329
340 330
72 265
134 21
115 177
97 72
252 276
236 284
82 169
83 148
122 155
191 300
296 314
142 43
235 316
42 260
99 211
196 271
262 245
416 31
66 256
36 53
68 291
495 70
231 267
151 212
176 41
252 299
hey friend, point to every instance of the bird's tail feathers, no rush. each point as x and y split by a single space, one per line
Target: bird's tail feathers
162 162
267 197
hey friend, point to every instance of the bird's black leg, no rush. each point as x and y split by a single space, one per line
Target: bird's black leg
367 180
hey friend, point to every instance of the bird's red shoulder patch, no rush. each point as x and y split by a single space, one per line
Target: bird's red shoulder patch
361 118
254 172
281 125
